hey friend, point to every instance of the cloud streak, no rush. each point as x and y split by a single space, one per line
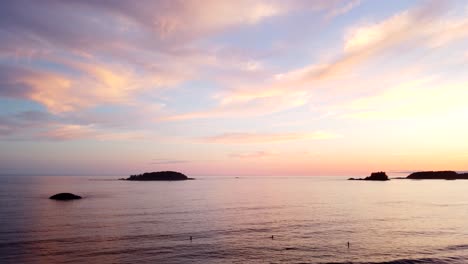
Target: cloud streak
427 25
259 138
253 155
168 161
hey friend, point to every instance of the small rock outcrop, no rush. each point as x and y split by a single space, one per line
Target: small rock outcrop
159 176
438 175
375 176
65 196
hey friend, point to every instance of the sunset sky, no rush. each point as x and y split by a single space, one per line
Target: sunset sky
211 87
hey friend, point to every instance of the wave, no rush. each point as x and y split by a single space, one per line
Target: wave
445 260
457 247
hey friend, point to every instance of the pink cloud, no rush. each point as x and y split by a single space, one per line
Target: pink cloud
253 155
165 30
259 138
96 84
78 132
425 26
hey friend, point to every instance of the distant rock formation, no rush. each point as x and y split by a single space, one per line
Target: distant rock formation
65 196
375 176
159 176
438 175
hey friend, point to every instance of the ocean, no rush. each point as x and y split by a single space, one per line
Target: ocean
232 220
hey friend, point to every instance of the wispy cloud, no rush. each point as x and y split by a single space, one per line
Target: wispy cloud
149 46
23 124
361 45
168 161
258 138
340 10
253 155
77 132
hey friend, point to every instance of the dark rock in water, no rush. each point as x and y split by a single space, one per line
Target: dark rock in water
159 176
438 175
290 248
375 176
64 196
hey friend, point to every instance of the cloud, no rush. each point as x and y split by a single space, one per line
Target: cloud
49 89
427 26
169 26
168 161
340 10
170 19
96 84
189 19
38 125
231 107
362 43
61 132
149 32
253 155
22 125
69 132
33 116
11 84
259 138
107 53
111 53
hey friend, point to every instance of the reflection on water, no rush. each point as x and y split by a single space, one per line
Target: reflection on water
232 220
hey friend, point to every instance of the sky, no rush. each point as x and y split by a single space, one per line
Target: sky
233 88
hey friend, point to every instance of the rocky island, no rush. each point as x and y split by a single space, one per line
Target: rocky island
438 175
65 196
159 176
375 176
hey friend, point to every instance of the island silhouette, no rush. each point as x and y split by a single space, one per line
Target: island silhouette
375 176
437 175
158 176
420 175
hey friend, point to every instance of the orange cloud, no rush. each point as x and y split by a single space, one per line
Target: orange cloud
94 82
78 132
95 85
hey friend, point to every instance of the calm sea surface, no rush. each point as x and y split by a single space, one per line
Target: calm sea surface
232 221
